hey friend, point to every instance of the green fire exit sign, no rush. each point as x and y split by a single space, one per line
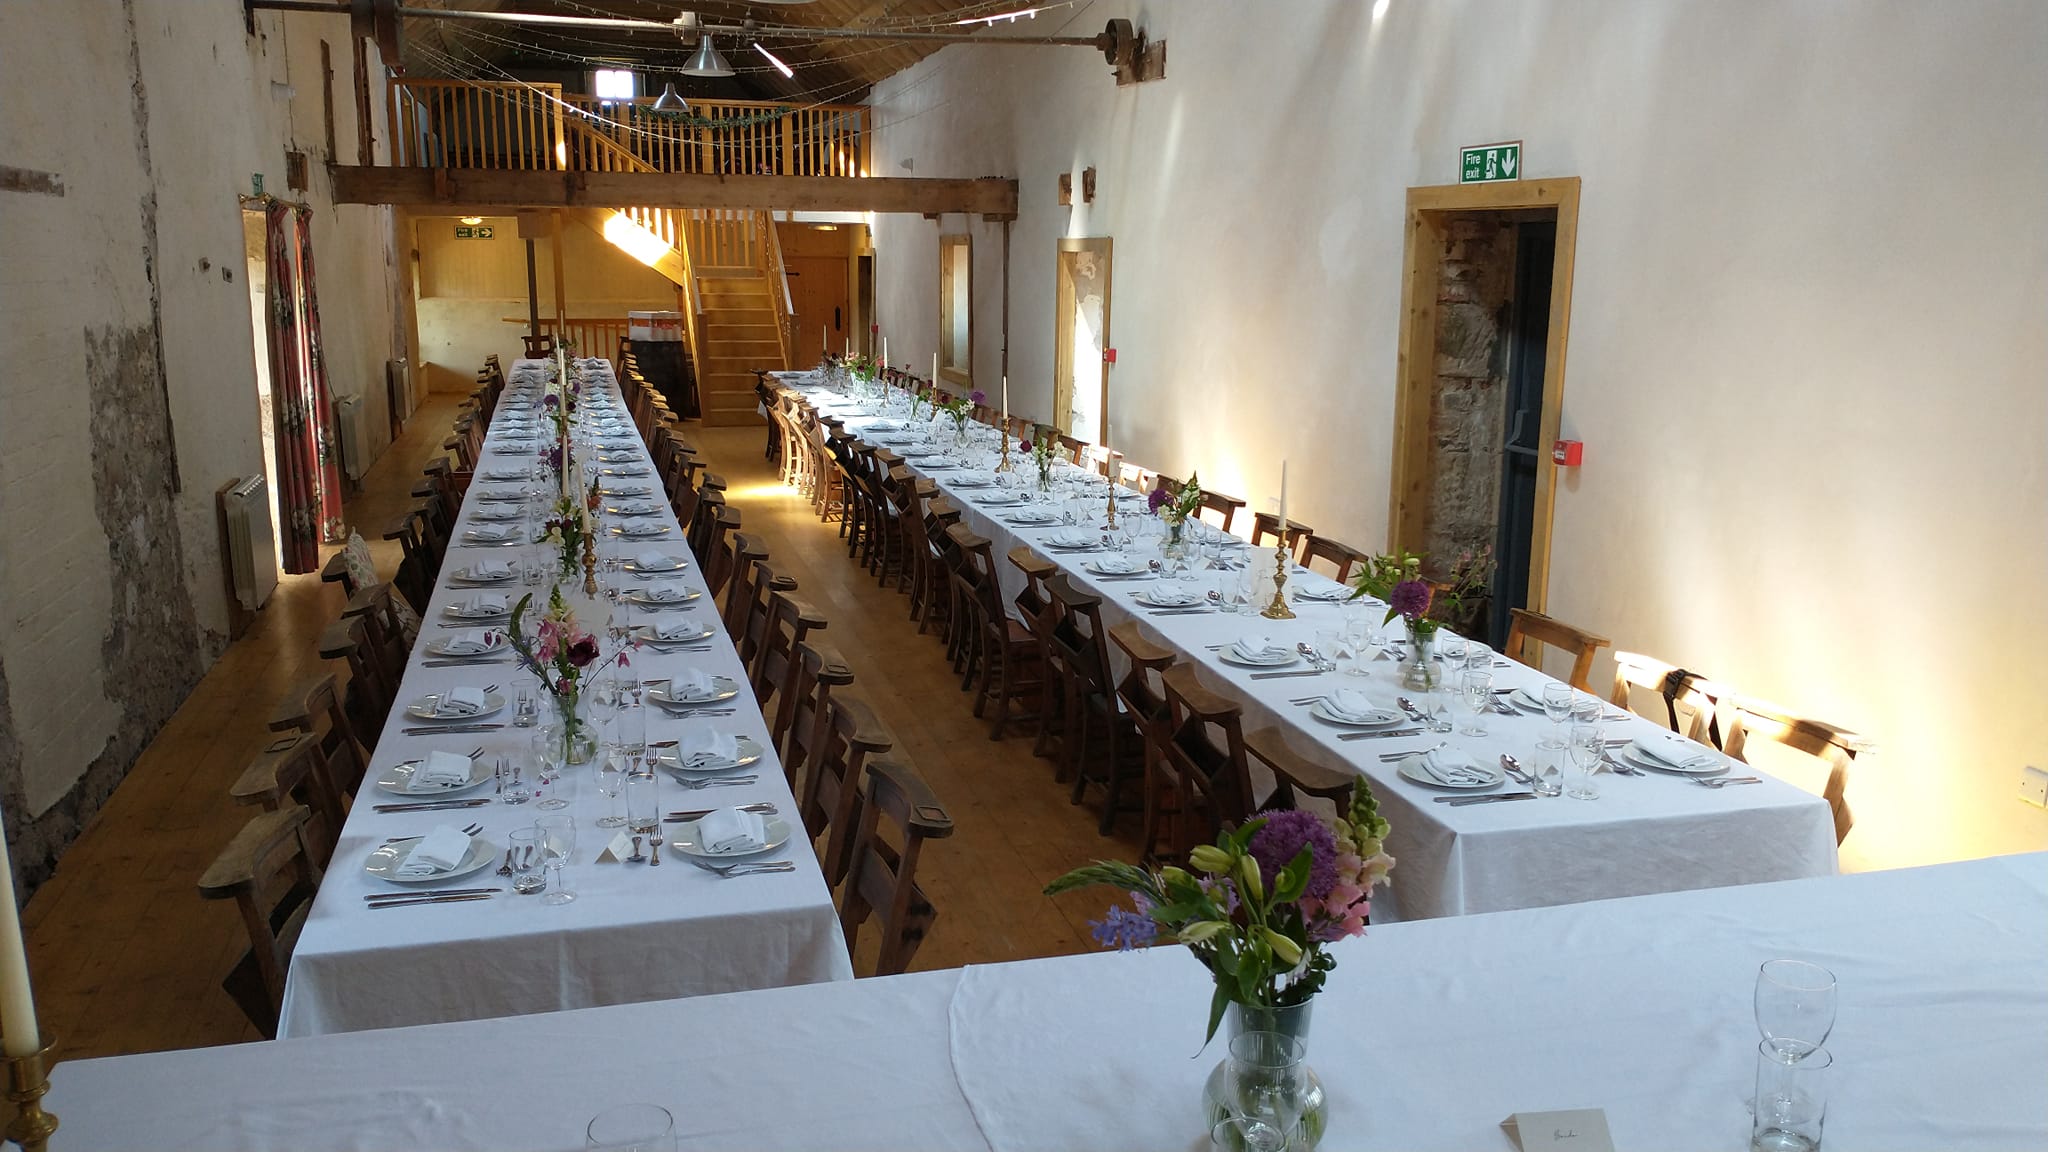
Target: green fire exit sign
1486 163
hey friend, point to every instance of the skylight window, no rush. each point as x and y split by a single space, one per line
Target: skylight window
613 84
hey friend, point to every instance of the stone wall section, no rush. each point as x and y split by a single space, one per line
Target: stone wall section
1468 407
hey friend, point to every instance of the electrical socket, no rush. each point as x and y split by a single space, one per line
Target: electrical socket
2034 786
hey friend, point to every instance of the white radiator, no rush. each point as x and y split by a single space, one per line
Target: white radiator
355 439
251 551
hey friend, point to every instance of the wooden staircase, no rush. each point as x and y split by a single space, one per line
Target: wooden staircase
739 333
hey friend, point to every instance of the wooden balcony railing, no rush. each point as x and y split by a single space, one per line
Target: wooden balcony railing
594 335
475 124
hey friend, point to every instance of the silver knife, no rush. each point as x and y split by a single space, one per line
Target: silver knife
404 903
1380 735
453 728
435 805
1461 801
761 809
462 663
1280 675
375 896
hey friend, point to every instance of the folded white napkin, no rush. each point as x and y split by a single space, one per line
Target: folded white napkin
491 570
492 533
1072 539
1257 647
439 772
1173 596
484 604
654 560
1444 766
463 701
667 594
731 830
1675 750
689 684
467 643
1121 563
1350 702
678 630
629 490
504 474
437 852
701 749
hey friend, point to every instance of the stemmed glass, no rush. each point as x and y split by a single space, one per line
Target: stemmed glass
559 833
548 766
1557 702
1478 699
1267 1083
1588 748
1795 1007
611 781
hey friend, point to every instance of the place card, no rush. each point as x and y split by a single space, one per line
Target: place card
1577 1130
616 851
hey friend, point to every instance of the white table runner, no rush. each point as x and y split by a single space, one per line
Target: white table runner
634 932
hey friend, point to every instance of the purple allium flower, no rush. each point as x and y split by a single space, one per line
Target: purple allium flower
1280 840
1123 929
976 398
1159 499
1410 599
551 401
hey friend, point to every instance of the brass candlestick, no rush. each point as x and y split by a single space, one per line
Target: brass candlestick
1004 465
1111 522
28 1078
1278 609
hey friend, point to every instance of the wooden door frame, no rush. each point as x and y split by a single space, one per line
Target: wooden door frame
947 243
1062 352
1415 367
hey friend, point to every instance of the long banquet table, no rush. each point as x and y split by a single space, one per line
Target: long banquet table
1428 1034
1642 835
634 932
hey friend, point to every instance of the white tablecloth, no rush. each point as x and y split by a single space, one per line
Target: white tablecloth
634 932
1643 835
1427 1035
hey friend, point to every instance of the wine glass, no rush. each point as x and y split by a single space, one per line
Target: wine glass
1477 699
1795 1007
559 834
1266 1079
548 765
1557 702
611 782
1588 748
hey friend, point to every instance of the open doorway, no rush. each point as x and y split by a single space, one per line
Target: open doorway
1081 331
956 309
1486 305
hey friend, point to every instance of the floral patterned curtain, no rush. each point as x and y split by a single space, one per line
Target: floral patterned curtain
308 478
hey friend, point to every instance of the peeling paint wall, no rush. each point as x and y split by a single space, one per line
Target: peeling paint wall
127 379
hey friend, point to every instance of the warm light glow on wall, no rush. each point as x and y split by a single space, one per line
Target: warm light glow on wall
634 240
561 153
472 219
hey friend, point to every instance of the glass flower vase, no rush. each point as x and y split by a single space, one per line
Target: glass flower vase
570 733
1291 1021
1419 671
959 433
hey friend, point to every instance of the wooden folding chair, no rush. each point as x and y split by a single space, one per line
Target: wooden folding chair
321 710
292 771
1691 704
1342 557
801 704
1529 631
1831 744
1266 525
852 735
882 878
270 875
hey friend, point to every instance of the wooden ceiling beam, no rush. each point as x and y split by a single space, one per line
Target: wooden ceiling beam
442 187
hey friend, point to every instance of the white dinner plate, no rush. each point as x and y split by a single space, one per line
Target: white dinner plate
625 490
1638 755
497 515
640 531
615 470
1169 598
467 577
1326 595
423 709
676 564
396 777
510 539
385 861
684 839
1035 516
1073 541
460 613
750 753
495 643
1487 777
722 688
1525 700
1001 499
1117 566
668 596
501 496
645 634
1376 718
637 508
1273 658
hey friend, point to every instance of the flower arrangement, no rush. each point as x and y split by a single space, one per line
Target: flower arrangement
1397 579
862 368
1174 509
1045 453
1258 908
560 653
960 407
567 528
921 396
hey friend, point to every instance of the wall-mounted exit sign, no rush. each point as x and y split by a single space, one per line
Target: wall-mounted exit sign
474 231
1486 163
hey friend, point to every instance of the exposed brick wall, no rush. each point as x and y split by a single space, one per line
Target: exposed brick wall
1469 405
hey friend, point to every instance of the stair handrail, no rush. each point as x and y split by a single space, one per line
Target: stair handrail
769 239
677 226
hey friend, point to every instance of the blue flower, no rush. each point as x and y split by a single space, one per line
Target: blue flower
1123 929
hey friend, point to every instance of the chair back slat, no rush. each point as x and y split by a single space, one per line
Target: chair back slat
882 878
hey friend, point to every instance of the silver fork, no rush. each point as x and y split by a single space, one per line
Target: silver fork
716 782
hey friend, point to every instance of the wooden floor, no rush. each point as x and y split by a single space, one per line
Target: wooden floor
127 958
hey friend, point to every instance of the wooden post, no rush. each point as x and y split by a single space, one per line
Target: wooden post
532 294
366 144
